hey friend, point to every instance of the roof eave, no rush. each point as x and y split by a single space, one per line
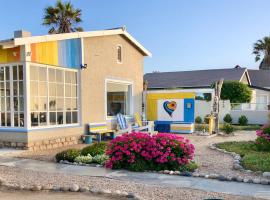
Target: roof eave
64 36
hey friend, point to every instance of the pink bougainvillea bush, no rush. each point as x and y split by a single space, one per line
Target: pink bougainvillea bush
140 151
263 138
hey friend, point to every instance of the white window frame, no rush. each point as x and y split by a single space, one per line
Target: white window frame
48 126
123 82
121 48
12 112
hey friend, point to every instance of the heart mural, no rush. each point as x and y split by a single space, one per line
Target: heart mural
170 107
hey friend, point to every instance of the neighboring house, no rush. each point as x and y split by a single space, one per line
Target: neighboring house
200 82
52 86
260 82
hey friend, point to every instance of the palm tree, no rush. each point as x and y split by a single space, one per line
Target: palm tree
262 47
62 18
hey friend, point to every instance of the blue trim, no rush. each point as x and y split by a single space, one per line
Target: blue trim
13 130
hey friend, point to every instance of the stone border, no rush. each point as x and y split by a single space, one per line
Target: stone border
196 173
237 162
72 188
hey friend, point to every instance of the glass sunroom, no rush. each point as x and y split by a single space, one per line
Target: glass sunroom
48 98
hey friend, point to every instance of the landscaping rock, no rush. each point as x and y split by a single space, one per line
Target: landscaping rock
95 190
130 195
256 181
177 172
103 191
266 174
186 173
213 176
171 172
47 187
246 180
84 189
196 174
74 188
36 188
222 178
237 167
239 179
264 182
55 188
166 172
64 189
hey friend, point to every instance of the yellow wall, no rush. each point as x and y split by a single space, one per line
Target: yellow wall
151 101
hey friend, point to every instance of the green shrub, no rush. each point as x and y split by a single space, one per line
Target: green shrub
243 120
139 166
100 159
69 155
227 118
227 128
198 120
201 127
206 119
262 144
94 149
84 159
236 92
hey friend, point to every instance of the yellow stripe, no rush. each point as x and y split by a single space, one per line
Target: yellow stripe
151 109
179 95
181 128
99 128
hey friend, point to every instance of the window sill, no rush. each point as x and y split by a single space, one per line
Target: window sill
55 127
112 118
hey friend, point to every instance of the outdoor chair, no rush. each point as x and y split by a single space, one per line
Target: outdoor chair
122 125
98 131
143 125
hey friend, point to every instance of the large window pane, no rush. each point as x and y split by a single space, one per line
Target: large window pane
60 104
1 74
52 118
52 89
20 72
59 76
60 117
60 90
118 99
42 74
42 88
54 102
15 73
34 119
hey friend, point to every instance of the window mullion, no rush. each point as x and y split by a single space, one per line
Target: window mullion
48 101
12 110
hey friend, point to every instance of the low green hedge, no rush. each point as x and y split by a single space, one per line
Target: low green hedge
95 149
69 155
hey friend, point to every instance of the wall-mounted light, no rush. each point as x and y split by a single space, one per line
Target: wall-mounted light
83 66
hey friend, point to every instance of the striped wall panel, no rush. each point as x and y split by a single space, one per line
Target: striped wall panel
10 55
64 53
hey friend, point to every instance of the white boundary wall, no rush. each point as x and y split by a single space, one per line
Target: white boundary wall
202 108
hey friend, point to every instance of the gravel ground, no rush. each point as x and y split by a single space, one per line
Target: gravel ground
15 195
214 162
18 176
210 161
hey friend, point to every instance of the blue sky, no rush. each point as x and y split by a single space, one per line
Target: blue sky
182 35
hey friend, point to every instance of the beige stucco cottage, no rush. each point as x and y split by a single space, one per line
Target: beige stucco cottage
52 86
